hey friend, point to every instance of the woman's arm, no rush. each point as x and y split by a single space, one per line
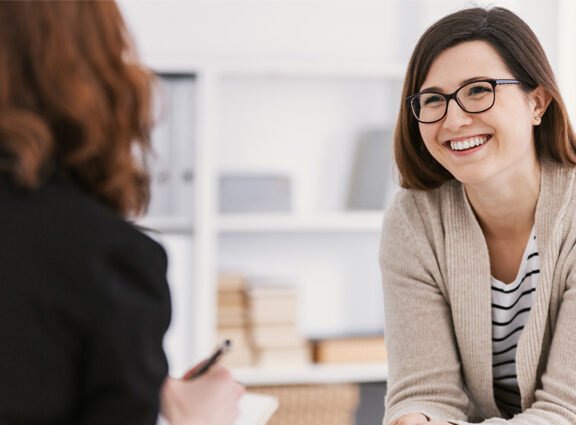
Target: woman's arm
424 367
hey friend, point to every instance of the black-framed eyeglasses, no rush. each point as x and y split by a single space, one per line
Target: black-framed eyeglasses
475 97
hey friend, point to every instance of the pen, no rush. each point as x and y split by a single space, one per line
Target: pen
203 368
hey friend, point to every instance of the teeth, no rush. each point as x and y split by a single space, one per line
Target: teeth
468 143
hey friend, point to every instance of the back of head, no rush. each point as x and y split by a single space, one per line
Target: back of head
74 99
520 50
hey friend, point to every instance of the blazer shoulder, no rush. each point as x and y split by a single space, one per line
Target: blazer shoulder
58 218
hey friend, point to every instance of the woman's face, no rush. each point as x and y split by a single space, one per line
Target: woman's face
504 132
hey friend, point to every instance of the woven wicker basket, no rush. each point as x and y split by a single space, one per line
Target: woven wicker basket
333 404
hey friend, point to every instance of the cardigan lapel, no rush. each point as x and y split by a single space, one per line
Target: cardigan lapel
556 186
468 281
468 284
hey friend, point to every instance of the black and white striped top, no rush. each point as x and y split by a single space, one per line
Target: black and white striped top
510 308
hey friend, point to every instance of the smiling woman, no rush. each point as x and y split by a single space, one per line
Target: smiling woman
499 112
476 253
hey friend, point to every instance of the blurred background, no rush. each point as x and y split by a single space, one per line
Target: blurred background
273 167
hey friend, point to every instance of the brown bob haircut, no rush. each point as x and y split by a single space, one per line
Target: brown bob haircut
73 100
524 56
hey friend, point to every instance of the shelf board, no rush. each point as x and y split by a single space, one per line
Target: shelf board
179 224
387 70
336 222
384 70
313 374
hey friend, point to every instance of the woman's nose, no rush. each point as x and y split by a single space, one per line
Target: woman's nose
456 117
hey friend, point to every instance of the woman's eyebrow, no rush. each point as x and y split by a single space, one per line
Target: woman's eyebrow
463 82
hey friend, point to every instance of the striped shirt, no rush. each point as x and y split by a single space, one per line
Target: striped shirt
510 308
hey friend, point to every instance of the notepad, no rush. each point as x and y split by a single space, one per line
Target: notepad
256 409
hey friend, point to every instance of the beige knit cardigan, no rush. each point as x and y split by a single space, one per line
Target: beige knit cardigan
437 298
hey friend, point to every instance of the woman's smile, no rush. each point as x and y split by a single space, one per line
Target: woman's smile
467 145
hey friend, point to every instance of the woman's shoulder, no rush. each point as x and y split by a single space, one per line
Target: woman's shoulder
66 246
423 204
556 175
64 218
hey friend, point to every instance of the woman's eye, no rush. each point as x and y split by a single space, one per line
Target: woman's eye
479 89
432 100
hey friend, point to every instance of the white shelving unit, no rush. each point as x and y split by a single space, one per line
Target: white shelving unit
287 88
233 241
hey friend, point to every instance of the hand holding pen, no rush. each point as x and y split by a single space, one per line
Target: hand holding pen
210 361
207 394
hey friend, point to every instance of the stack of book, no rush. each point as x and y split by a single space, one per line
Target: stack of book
350 349
233 320
272 319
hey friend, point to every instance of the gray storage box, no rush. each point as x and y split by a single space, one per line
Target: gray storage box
255 193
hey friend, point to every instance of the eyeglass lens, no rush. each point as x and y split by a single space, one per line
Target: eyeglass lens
473 97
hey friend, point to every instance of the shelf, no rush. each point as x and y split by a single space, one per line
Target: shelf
394 71
167 224
313 374
283 223
334 222
311 69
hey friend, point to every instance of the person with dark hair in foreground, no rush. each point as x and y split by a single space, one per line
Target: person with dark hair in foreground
477 251
84 300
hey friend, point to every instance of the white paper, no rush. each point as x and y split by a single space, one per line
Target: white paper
256 409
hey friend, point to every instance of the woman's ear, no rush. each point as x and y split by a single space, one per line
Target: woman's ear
539 100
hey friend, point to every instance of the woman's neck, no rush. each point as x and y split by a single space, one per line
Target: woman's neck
506 206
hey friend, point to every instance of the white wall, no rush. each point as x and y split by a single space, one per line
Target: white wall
313 30
182 32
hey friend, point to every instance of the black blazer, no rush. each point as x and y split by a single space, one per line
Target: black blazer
84 305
